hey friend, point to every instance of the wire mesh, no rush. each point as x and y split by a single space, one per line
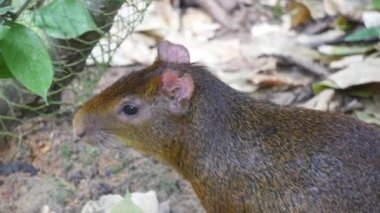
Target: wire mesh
118 18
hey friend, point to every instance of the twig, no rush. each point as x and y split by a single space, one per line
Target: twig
21 9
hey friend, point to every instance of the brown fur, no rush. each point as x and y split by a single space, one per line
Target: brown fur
243 155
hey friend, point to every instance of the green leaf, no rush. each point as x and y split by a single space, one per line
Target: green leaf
364 34
342 23
319 86
4 70
376 4
345 50
126 205
367 117
277 10
6 9
27 58
3 31
64 19
359 92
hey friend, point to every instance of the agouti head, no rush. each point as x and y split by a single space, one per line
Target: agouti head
146 110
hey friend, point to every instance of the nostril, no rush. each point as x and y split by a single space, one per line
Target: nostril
79 130
80 134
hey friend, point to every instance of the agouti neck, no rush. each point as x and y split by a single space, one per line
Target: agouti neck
219 142
218 126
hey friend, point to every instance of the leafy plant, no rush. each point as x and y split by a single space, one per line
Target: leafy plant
65 151
57 23
376 4
25 57
91 154
277 10
23 54
66 154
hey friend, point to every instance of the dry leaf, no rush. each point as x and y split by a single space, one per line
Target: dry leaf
135 50
299 13
358 73
346 61
213 53
322 101
276 79
147 201
349 8
160 16
237 80
199 24
342 50
371 18
277 43
317 39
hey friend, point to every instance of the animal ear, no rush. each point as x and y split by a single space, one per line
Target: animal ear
173 53
178 89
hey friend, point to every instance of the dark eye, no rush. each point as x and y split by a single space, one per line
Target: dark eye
130 109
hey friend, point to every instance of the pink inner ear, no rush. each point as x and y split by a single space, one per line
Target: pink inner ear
171 81
173 53
187 87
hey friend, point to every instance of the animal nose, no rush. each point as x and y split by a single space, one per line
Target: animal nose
80 132
79 125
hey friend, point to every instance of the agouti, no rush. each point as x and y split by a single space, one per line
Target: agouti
239 154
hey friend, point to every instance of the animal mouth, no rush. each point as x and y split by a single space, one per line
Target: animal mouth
103 139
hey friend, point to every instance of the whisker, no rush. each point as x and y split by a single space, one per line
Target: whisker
109 141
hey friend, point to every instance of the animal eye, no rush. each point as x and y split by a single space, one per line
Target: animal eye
130 109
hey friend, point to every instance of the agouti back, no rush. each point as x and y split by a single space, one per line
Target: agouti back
239 154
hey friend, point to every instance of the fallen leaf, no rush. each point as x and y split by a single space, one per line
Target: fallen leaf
364 34
345 50
358 73
371 18
346 61
283 98
147 201
299 13
323 101
135 50
126 205
348 8
277 42
160 16
321 38
276 79
367 117
199 24
212 53
237 80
